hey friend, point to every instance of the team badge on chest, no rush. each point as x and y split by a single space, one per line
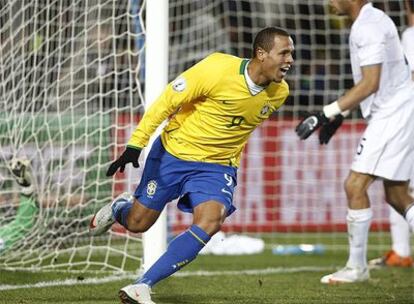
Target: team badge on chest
265 110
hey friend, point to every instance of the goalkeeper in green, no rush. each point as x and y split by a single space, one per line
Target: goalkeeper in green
27 210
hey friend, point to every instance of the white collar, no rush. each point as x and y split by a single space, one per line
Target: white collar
253 88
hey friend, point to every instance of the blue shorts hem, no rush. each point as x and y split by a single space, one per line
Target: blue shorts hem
206 197
148 203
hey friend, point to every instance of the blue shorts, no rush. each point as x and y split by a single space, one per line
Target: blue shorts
167 177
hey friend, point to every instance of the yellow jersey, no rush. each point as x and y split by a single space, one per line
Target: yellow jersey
211 110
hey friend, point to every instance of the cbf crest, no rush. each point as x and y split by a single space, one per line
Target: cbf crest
151 188
265 110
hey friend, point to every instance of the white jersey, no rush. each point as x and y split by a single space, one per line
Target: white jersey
407 40
374 40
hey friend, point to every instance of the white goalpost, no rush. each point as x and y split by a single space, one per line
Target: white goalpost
156 77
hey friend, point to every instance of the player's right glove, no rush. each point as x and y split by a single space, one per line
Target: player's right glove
130 155
329 129
310 124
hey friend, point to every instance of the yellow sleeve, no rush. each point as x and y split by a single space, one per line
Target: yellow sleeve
189 86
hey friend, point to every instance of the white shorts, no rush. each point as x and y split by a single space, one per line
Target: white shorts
386 148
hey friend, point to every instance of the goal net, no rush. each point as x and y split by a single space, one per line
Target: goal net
71 80
68 96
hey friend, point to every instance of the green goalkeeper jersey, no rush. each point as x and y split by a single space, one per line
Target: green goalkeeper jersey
212 111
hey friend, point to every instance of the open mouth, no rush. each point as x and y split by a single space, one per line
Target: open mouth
284 70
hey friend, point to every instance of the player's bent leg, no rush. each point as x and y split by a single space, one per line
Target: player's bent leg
208 218
139 218
127 211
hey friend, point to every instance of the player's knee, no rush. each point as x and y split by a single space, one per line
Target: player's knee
137 226
137 222
210 226
353 187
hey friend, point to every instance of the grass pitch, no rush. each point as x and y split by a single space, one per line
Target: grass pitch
263 278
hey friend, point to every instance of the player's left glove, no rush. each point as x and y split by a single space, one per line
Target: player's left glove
328 130
310 124
130 155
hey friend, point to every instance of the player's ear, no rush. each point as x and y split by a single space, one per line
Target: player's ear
260 53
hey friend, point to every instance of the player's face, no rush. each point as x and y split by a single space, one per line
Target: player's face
341 7
277 62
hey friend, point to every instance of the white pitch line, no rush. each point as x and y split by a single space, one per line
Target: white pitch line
119 277
252 271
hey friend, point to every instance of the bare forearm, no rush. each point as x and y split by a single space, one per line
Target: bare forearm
356 95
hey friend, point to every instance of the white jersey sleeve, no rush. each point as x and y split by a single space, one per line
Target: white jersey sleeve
369 45
408 45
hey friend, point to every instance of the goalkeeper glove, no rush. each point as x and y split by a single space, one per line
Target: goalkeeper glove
328 130
310 124
130 155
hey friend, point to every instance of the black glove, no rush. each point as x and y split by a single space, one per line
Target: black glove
310 124
328 130
130 155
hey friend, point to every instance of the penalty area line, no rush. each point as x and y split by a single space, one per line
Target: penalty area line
200 273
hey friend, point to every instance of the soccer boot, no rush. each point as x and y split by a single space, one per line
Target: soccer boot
392 259
136 294
21 170
103 219
346 275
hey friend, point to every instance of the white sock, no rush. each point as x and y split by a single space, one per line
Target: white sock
400 234
358 221
409 216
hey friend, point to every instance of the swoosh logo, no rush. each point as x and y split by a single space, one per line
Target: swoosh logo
313 122
92 224
169 131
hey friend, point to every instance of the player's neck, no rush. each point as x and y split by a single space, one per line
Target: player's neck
356 9
411 20
255 73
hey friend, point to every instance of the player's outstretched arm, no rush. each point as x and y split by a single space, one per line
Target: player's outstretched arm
130 155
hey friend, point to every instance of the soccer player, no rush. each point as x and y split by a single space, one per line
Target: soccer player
400 254
28 206
385 93
213 107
